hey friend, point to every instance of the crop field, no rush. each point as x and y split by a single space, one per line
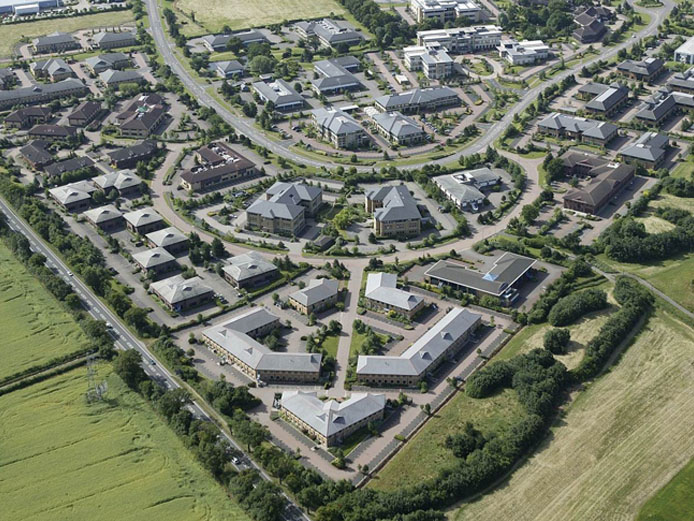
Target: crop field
114 460
35 328
13 33
490 413
242 14
619 442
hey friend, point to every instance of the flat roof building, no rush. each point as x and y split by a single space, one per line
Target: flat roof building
436 345
499 281
446 10
461 40
525 52
219 165
685 52
331 422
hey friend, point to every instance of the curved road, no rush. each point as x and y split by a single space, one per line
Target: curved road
282 149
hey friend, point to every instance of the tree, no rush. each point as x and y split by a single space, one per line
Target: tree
249 432
556 340
136 317
218 250
530 212
261 64
127 365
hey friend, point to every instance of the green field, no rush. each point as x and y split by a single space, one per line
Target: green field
13 33
115 460
616 445
35 328
673 502
242 14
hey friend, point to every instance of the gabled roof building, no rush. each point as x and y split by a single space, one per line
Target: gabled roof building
338 127
320 294
102 62
418 100
649 150
382 294
124 182
331 422
235 340
42 93
329 32
395 211
399 129
106 218
181 294
434 347
250 270
155 262
580 129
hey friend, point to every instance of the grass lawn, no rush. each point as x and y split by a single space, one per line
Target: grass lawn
655 224
673 502
424 455
674 277
241 14
684 203
684 169
13 33
114 460
618 443
35 327
330 345
358 339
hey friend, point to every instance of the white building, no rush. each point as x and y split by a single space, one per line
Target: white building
685 52
434 63
526 52
461 40
445 10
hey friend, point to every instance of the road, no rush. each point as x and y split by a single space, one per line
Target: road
282 148
126 340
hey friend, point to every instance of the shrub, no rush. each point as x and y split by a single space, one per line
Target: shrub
557 340
572 307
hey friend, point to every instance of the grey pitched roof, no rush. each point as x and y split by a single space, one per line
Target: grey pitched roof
120 180
152 258
71 193
602 186
657 107
429 348
415 97
293 192
504 273
382 287
103 214
332 31
177 289
85 110
247 265
397 124
59 131
331 417
140 149
479 176
115 76
166 237
106 60
112 37
336 121
232 336
316 291
334 75
54 39
228 66
650 146
51 66
143 217
275 210
398 204
683 80
642 68
608 98
458 189
587 127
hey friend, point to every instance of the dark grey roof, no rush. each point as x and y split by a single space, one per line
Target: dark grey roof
601 187
504 273
49 90
36 152
144 148
53 131
69 165
54 39
642 68
109 37
657 108
608 98
85 110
